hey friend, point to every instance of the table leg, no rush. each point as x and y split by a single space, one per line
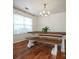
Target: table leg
30 43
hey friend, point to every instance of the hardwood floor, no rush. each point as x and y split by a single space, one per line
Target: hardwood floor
40 51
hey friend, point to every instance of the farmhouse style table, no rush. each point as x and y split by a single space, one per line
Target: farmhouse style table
48 39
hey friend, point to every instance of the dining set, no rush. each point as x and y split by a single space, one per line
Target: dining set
48 38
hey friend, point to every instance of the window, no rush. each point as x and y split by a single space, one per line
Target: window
22 24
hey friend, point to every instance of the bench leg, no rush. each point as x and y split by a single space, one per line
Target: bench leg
30 43
62 46
54 51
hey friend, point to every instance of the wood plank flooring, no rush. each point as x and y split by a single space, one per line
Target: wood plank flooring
40 51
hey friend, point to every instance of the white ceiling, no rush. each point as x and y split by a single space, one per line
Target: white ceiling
35 6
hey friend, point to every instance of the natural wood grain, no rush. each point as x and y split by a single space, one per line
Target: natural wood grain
19 48
48 40
63 33
39 51
52 35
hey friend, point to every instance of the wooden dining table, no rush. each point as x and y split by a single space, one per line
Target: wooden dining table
47 39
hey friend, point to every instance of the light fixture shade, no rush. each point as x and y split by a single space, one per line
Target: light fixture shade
45 12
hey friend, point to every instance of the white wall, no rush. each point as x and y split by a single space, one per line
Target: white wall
19 37
34 23
56 22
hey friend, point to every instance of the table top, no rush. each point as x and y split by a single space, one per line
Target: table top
63 33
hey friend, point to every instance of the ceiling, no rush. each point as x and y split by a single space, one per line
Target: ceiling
36 6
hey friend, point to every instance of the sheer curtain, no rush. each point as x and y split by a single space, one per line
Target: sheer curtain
21 24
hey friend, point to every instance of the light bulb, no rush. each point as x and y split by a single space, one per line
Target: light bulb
40 13
43 11
45 15
48 12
